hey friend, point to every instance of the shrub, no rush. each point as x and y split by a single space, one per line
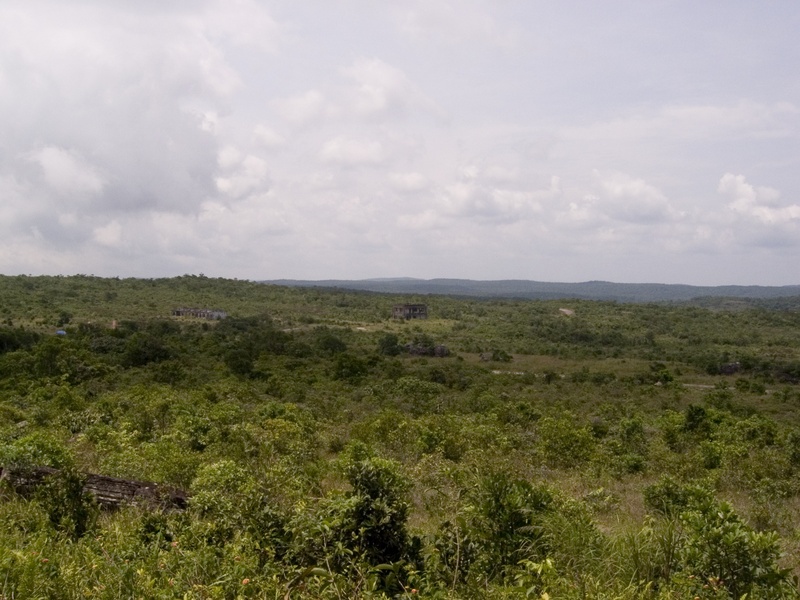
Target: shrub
501 356
696 421
71 510
239 361
455 552
37 449
417 394
563 444
670 498
389 345
227 500
506 512
348 367
715 545
721 547
793 446
379 509
144 348
710 454
628 446
328 343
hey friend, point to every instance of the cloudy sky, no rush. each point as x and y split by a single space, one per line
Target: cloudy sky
629 141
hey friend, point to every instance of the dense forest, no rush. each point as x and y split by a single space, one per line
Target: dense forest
498 449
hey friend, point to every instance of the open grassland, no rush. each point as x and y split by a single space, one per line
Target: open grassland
604 451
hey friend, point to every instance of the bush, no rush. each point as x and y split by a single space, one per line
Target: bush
670 498
389 345
722 548
71 510
228 501
506 514
563 444
37 449
501 356
715 546
239 361
144 348
379 509
348 367
328 342
455 552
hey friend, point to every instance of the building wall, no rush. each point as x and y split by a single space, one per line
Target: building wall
410 311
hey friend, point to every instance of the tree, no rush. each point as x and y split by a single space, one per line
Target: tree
389 345
239 361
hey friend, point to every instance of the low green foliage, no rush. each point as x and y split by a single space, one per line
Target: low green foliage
71 511
720 548
330 451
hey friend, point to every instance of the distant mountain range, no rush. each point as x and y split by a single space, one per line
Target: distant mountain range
541 290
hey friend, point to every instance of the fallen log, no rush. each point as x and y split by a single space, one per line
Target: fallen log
110 492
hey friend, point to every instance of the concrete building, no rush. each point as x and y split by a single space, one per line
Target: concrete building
410 311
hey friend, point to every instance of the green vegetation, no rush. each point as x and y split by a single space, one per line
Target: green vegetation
610 451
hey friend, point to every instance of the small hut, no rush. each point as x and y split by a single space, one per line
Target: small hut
212 314
410 311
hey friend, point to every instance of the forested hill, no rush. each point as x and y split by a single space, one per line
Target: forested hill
542 290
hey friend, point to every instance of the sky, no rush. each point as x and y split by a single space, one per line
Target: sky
621 140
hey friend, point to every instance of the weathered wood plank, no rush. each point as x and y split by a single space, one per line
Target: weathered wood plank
110 492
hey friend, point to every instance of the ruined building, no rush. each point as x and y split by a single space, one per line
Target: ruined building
410 311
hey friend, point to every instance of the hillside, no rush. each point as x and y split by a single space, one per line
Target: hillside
321 449
539 290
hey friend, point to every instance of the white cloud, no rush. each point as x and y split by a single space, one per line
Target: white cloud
228 157
408 182
17 204
451 21
268 138
217 74
760 203
633 200
106 103
382 89
350 152
109 234
247 228
304 108
69 219
581 211
209 121
501 174
354 212
743 119
501 194
67 172
421 221
244 22
470 200
245 175
252 137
